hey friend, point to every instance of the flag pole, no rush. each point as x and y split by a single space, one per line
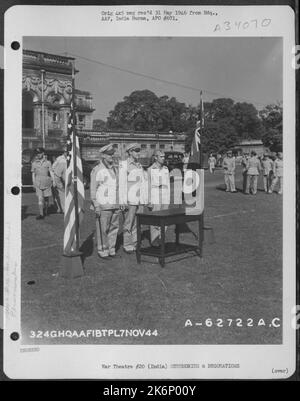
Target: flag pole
75 162
201 222
202 119
72 265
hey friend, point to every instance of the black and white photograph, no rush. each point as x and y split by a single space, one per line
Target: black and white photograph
157 192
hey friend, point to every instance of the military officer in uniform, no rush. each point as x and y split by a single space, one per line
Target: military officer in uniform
253 170
104 197
59 168
267 170
244 163
159 191
229 171
134 181
42 179
212 163
278 174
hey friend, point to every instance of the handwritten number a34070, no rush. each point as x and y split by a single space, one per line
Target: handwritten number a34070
243 25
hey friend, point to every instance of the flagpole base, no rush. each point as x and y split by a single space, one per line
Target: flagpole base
72 266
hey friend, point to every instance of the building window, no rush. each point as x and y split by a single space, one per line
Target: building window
143 146
81 118
161 146
54 117
152 146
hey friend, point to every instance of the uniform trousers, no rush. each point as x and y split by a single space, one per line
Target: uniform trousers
229 182
267 182
280 180
251 184
129 228
59 196
107 227
245 181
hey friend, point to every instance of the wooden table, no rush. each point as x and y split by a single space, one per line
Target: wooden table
165 218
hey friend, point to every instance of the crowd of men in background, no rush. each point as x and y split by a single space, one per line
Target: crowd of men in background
252 167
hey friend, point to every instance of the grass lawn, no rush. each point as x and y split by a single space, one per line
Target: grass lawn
239 277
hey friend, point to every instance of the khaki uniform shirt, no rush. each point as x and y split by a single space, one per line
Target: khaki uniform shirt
135 178
267 166
278 168
253 166
93 186
229 165
245 164
41 170
59 168
107 196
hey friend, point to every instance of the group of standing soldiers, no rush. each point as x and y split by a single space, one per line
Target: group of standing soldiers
109 214
49 180
252 167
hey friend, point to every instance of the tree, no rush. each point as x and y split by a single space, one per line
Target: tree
144 111
219 109
226 122
99 125
246 121
271 117
219 136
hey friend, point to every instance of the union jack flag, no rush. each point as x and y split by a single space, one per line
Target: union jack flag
74 188
196 144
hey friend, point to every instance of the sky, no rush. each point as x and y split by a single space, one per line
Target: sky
244 69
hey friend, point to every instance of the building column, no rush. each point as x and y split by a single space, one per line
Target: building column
64 119
37 110
46 119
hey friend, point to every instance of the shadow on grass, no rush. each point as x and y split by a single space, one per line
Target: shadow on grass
87 247
221 187
24 213
174 253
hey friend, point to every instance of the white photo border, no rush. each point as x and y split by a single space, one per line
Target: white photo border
55 361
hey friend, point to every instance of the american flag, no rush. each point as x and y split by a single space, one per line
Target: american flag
196 144
74 188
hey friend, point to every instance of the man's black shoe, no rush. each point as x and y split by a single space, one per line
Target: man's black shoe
40 217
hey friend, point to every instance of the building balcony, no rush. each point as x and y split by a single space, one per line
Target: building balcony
55 133
49 62
29 132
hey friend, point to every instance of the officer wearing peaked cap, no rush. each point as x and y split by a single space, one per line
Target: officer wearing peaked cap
229 171
134 182
107 149
159 183
253 171
104 179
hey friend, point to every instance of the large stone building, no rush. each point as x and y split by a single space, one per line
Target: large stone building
47 91
149 141
249 145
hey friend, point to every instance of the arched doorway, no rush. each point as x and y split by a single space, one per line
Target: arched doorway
27 111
